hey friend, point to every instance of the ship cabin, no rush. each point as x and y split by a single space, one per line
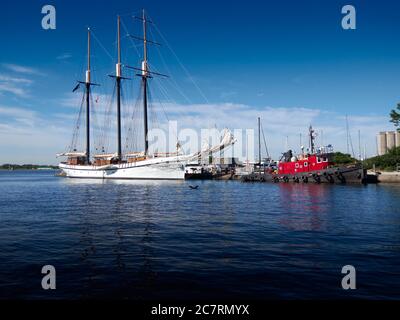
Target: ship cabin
304 163
74 158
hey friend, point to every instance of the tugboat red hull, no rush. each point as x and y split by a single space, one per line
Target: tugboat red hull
332 175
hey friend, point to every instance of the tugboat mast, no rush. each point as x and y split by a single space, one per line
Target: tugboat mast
87 85
312 144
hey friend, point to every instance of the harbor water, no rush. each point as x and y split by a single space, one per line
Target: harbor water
163 240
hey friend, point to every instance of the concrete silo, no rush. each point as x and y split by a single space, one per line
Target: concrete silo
382 146
390 140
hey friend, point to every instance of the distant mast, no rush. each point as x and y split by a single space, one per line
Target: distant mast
259 140
145 75
312 145
87 85
118 77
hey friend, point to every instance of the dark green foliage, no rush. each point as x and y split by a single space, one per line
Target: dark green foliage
386 162
343 158
395 117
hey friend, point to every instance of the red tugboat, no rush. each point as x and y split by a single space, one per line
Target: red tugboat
315 166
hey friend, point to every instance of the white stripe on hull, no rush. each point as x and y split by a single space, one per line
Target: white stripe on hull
148 169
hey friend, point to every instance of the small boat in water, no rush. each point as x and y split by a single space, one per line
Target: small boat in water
315 166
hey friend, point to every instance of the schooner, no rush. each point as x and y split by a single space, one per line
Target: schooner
135 165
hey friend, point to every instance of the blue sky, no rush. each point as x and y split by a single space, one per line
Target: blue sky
288 61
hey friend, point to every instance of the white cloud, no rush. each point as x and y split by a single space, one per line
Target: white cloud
64 56
21 69
16 112
15 80
29 137
17 86
13 89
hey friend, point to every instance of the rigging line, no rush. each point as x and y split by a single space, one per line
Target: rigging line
135 122
130 39
166 115
101 45
135 125
164 92
265 141
130 138
349 140
153 111
181 64
106 122
93 121
172 79
77 126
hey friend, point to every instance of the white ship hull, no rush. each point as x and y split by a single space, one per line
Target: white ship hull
152 169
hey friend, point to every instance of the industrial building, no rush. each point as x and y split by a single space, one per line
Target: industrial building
387 140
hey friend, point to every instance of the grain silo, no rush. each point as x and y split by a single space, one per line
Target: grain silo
390 140
382 146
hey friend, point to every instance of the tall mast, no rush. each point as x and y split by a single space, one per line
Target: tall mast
87 85
118 84
144 83
259 140
347 135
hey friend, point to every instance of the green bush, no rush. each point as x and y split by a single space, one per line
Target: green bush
386 162
343 158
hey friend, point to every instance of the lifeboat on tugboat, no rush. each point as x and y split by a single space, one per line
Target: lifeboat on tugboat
316 166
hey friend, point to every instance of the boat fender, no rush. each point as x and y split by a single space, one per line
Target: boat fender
328 177
317 178
341 178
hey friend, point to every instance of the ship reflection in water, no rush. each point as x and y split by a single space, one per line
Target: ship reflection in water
152 239
304 206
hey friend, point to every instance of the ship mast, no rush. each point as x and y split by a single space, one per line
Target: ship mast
259 141
145 75
87 85
312 145
118 84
